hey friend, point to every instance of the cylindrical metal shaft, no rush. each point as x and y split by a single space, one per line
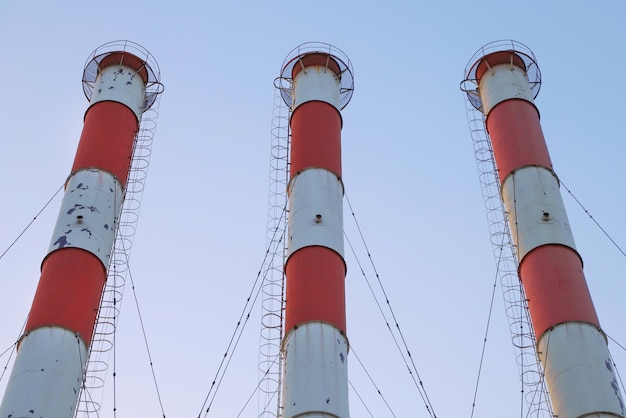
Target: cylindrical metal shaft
315 343
47 377
570 344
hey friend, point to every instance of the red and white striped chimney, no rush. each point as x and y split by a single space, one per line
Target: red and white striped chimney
47 376
570 343
315 343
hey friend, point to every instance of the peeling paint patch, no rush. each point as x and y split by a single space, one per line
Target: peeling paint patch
615 387
86 230
106 226
76 207
341 357
61 241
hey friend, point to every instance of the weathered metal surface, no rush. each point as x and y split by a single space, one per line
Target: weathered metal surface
122 84
89 214
536 212
579 372
47 375
316 211
316 371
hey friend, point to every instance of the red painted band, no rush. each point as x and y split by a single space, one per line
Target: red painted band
516 137
107 139
317 59
315 288
315 138
555 287
69 292
500 57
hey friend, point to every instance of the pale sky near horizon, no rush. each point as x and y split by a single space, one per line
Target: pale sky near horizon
409 172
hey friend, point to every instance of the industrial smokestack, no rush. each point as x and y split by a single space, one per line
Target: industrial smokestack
315 343
47 377
570 343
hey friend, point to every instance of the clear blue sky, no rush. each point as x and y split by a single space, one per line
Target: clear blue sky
409 172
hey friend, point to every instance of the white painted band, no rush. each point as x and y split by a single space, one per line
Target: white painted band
47 376
316 83
119 83
503 82
536 212
315 211
579 372
89 214
316 372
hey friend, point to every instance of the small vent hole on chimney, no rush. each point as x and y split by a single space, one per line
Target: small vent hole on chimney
318 218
